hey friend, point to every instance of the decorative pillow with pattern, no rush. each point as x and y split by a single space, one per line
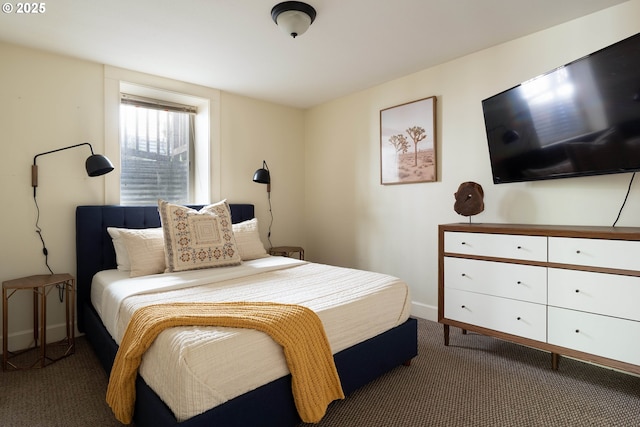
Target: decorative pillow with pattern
198 239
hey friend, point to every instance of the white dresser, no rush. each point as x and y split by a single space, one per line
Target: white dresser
572 291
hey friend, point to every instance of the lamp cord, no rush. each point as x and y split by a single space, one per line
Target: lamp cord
625 199
271 223
45 251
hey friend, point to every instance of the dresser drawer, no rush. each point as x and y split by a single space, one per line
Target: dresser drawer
520 318
620 254
515 281
608 294
610 337
531 248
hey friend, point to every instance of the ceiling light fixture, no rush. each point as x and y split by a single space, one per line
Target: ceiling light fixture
294 17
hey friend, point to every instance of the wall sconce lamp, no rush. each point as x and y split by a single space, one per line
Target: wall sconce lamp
294 17
262 176
96 165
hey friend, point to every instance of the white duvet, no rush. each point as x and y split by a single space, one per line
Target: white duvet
193 369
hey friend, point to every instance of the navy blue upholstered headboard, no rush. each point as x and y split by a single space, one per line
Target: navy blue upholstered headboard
94 249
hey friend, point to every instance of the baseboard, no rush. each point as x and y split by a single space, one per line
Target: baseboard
424 311
24 339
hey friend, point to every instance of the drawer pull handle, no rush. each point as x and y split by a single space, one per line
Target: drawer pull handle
518 318
519 282
578 251
577 291
519 247
577 331
463 306
463 275
464 243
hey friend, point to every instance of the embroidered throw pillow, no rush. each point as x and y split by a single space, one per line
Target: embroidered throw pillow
198 239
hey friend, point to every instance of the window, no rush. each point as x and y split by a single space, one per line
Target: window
205 164
156 151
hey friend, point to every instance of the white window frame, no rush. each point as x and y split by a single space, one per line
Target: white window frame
207 124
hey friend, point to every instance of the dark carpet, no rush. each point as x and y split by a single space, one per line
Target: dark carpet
476 381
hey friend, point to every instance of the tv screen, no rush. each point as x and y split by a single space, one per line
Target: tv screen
580 119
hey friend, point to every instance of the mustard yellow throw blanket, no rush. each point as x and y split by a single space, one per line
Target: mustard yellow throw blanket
315 381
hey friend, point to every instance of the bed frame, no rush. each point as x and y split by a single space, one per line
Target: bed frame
268 405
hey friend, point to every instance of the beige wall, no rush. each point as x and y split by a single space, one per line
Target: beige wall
48 102
352 220
324 162
253 131
51 101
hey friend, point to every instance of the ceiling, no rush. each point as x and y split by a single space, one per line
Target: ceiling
234 45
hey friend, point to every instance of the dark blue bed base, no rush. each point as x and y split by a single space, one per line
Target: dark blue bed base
269 405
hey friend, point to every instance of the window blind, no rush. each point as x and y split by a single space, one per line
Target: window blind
156 104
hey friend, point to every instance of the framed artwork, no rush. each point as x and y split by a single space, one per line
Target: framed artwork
408 142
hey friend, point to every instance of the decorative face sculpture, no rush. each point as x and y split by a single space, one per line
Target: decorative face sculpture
469 199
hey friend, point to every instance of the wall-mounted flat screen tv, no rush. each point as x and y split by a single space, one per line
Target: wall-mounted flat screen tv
580 119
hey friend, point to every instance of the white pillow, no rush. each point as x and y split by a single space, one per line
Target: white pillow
248 240
140 251
122 257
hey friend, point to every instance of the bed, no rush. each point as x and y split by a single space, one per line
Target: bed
270 404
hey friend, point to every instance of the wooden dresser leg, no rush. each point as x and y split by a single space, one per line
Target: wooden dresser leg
446 335
555 360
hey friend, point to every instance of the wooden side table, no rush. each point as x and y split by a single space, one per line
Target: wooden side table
287 251
40 285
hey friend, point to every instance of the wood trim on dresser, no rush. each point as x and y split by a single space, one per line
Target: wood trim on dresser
549 264
604 234
583 231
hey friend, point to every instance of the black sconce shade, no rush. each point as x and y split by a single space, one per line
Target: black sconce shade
262 176
97 165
